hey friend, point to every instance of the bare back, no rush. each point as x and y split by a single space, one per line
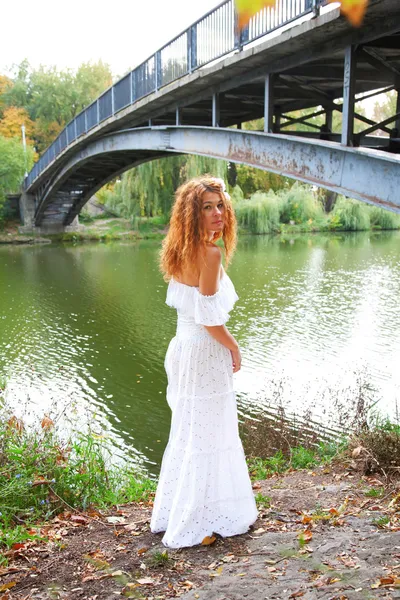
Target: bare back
190 275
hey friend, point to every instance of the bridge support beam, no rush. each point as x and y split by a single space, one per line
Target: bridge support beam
269 103
27 212
349 83
397 122
27 209
215 110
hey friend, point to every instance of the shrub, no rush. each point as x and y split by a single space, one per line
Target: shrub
299 205
41 473
352 214
259 214
237 194
376 449
384 219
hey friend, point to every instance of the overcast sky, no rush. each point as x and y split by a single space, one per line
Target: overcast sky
120 32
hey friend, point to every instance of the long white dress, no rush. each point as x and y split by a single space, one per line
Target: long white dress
204 484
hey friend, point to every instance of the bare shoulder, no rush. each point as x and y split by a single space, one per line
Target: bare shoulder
210 270
213 256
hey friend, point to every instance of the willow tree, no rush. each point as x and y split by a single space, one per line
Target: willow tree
148 190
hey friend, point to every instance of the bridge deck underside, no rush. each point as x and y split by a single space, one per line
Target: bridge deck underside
89 177
319 82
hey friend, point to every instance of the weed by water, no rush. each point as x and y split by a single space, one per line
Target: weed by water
376 447
42 474
298 457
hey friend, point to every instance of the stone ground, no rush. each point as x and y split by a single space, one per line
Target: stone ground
328 534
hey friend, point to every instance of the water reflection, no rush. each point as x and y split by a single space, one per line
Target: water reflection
87 328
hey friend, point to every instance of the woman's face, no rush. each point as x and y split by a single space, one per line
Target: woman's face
213 212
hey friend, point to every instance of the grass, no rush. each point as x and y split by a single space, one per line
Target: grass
297 458
381 521
158 559
374 493
263 501
42 474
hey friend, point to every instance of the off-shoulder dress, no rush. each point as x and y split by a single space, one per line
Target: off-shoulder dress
204 485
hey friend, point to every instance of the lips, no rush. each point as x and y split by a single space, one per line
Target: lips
217 223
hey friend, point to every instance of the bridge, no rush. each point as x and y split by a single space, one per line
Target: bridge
194 94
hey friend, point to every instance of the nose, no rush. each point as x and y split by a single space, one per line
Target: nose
217 210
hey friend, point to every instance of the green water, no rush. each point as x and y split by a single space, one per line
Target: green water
84 331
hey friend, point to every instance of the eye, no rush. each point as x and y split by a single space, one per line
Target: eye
207 207
221 205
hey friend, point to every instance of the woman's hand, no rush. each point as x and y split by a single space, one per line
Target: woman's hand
236 360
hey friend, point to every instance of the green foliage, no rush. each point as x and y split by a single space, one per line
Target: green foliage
374 493
263 501
252 180
352 214
298 457
53 97
85 217
299 205
158 559
41 473
237 194
381 521
303 458
383 219
261 468
13 164
260 214
148 190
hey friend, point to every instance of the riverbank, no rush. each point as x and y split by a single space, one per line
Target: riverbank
328 532
105 229
111 228
72 526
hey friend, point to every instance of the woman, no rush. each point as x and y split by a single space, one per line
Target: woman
204 485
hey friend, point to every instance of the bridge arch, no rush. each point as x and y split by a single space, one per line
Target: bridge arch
354 172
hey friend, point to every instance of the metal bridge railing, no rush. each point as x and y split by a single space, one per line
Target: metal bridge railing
211 37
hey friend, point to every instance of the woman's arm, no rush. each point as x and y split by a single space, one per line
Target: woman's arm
210 271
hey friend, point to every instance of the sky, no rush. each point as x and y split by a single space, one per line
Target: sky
121 33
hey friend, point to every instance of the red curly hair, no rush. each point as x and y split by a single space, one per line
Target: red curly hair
187 236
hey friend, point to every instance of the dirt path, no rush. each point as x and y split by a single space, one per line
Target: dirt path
321 538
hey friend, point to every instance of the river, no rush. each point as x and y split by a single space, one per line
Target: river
84 330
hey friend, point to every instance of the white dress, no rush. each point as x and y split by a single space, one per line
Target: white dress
204 484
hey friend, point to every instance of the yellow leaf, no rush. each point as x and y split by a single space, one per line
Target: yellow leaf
248 8
354 10
306 519
7 586
208 540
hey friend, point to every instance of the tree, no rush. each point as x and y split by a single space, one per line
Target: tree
52 97
5 85
148 190
12 121
13 164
